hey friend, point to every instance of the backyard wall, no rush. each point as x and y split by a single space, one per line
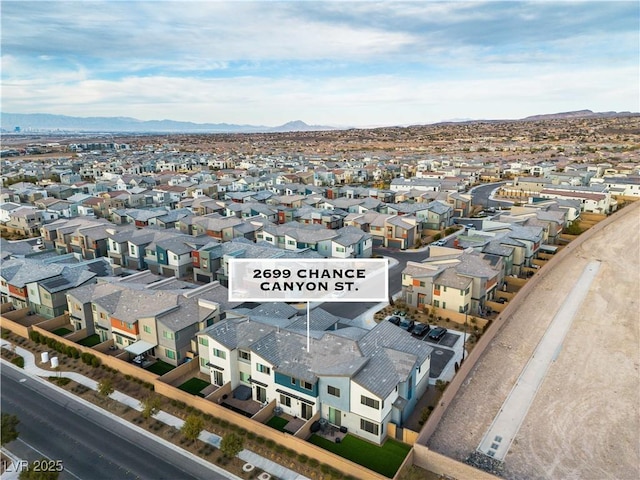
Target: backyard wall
124 367
442 465
6 307
408 436
10 321
282 438
181 373
55 323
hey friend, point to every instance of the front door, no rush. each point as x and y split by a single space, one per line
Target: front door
334 416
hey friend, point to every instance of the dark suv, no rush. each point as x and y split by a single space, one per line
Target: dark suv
394 319
420 329
407 324
437 333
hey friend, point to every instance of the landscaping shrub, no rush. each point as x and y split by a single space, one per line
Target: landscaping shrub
18 361
313 463
302 458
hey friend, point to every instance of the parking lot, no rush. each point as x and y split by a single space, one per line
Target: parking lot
446 351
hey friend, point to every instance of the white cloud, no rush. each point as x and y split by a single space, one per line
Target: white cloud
353 63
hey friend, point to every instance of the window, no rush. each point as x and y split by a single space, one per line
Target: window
132 249
370 402
167 335
170 354
284 400
203 341
218 379
340 249
244 355
263 369
331 390
219 353
436 303
444 289
293 381
306 385
422 284
203 362
147 329
102 315
175 257
368 426
119 339
93 307
244 377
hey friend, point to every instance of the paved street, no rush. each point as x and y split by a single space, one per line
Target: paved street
91 445
481 195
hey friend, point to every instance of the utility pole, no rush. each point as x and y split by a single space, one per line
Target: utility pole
464 343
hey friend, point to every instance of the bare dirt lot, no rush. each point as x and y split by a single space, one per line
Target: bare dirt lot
585 419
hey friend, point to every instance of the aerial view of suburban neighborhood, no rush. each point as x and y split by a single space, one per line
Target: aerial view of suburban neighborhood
498 337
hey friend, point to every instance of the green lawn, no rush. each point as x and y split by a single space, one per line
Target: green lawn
160 367
194 386
90 341
61 332
385 459
278 423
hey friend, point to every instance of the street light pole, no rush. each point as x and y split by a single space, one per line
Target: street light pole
464 343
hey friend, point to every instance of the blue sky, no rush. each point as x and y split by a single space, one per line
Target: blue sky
343 63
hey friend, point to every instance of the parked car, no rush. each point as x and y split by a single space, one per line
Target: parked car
400 313
437 333
420 329
407 324
394 319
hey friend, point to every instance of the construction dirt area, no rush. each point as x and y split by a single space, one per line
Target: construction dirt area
584 422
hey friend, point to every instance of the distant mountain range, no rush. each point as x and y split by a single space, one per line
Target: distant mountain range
31 122
63 123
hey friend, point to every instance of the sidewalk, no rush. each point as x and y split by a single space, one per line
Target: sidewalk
31 368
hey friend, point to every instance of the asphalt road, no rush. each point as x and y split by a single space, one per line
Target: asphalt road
480 196
354 309
91 445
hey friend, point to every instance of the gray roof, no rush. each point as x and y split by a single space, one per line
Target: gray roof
450 278
393 355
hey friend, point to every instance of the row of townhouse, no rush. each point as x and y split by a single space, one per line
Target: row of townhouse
147 315
41 284
388 230
346 242
211 261
165 252
457 280
352 378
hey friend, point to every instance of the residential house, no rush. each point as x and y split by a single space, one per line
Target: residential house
457 280
361 384
151 319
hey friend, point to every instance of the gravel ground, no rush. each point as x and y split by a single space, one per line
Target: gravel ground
585 420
